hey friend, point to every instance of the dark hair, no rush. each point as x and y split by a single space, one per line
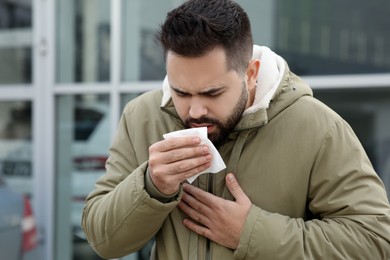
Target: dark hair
199 26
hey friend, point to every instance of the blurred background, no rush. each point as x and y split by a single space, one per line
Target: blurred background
68 67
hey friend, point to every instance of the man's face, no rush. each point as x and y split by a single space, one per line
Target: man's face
206 94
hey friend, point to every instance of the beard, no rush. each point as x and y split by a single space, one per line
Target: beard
223 128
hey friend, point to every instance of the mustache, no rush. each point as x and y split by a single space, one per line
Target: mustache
202 120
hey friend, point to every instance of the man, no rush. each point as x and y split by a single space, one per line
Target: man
298 184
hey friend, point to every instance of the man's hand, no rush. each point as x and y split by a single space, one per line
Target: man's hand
215 218
174 160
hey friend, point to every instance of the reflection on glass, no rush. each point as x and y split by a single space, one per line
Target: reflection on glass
143 58
83 140
367 111
16 145
315 37
83 41
15 42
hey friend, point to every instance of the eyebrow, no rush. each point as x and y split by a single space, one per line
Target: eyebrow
209 91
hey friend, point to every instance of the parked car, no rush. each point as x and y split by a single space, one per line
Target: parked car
88 150
18 232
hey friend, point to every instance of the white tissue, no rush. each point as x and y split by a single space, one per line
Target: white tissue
217 164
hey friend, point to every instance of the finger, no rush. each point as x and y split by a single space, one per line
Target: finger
177 142
197 206
193 210
201 195
235 188
182 176
199 229
185 153
168 173
189 167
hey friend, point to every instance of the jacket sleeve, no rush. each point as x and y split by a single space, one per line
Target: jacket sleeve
349 204
119 216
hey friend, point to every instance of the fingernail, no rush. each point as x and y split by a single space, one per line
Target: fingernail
231 177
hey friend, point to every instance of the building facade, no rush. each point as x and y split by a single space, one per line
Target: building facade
67 68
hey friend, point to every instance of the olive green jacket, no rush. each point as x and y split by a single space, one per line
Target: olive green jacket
313 190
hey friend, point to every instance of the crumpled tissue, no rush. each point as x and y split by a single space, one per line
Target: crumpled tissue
217 164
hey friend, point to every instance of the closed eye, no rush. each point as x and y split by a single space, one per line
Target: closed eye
180 93
208 93
211 94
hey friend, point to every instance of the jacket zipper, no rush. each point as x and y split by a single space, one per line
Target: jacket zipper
210 189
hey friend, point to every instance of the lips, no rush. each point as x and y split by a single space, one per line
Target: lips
209 127
199 125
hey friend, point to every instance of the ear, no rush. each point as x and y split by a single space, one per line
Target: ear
252 73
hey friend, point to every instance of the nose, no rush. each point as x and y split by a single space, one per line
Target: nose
197 108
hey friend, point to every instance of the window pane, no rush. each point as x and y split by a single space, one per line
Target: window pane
313 36
16 145
15 42
367 111
143 59
83 138
16 183
83 41
316 38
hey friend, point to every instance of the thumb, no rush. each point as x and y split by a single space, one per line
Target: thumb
235 188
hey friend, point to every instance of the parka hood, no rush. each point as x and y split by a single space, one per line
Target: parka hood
275 82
